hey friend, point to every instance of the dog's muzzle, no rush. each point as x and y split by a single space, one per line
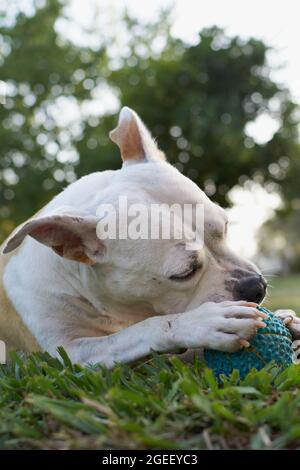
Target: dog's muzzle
252 289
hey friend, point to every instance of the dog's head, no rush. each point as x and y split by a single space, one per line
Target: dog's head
169 274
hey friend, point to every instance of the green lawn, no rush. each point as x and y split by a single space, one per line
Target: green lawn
284 292
162 404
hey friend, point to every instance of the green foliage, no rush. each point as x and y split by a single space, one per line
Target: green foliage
40 69
47 403
196 99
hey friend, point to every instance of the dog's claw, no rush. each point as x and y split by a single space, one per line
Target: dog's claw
260 324
244 343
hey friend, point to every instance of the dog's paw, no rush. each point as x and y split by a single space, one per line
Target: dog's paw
236 324
225 326
291 321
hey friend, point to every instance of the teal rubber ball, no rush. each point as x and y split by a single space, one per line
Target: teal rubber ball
272 343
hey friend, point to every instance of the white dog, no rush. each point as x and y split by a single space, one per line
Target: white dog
115 300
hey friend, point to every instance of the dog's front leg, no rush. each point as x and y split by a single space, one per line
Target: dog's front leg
225 326
128 345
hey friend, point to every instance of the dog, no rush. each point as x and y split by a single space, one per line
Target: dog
113 301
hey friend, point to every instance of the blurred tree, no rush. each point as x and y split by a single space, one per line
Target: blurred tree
197 100
279 239
46 77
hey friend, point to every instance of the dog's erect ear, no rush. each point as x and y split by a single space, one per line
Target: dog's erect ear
134 139
70 234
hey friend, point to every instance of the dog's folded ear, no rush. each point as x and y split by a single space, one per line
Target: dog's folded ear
134 139
69 233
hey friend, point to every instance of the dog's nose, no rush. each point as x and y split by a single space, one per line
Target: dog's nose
252 289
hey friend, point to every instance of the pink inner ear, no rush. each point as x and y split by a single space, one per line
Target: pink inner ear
53 235
63 241
127 137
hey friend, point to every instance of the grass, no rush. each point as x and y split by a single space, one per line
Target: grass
162 404
284 292
46 403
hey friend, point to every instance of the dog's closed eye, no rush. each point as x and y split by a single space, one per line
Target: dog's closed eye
188 273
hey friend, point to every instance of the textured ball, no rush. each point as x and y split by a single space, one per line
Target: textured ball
272 343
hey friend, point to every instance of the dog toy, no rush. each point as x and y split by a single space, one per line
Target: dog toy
272 343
